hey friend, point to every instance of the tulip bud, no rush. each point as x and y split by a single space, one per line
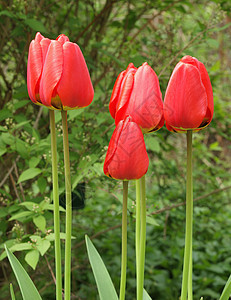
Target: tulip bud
126 157
188 103
137 93
59 77
37 54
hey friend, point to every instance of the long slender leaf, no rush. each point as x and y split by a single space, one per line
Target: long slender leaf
146 296
227 290
26 285
103 280
12 292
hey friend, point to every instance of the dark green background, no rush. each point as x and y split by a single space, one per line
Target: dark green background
112 34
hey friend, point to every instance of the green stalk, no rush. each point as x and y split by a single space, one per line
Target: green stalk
67 274
187 269
138 185
190 292
140 283
124 242
58 266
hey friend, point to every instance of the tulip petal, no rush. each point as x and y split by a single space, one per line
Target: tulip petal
75 88
34 69
145 105
115 94
121 110
52 72
185 102
39 37
45 43
206 82
127 157
118 87
62 38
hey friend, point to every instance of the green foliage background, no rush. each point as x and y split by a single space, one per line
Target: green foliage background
112 34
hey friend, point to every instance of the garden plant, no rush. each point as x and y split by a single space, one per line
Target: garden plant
139 92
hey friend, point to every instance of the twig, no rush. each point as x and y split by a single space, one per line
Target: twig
38 117
151 19
9 172
182 49
20 185
94 20
14 187
17 158
195 200
167 208
49 267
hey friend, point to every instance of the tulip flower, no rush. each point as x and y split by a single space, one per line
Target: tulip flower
57 74
37 54
137 93
126 157
188 103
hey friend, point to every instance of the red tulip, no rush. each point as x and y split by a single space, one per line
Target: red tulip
37 54
61 80
137 93
126 157
188 103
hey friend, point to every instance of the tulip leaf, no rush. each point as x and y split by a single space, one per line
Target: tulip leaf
26 285
227 290
12 292
146 296
103 280
29 174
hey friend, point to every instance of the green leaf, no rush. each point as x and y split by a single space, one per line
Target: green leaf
146 296
21 214
21 124
32 258
34 161
74 113
29 174
35 25
26 285
227 290
51 207
104 284
12 292
151 221
7 13
5 113
43 246
3 128
21 247
51 236
40 222
29 205
152 144
42 184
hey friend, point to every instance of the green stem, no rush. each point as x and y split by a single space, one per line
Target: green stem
140 274
190 292
56 206
67 274
124 242
187 270
138 185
